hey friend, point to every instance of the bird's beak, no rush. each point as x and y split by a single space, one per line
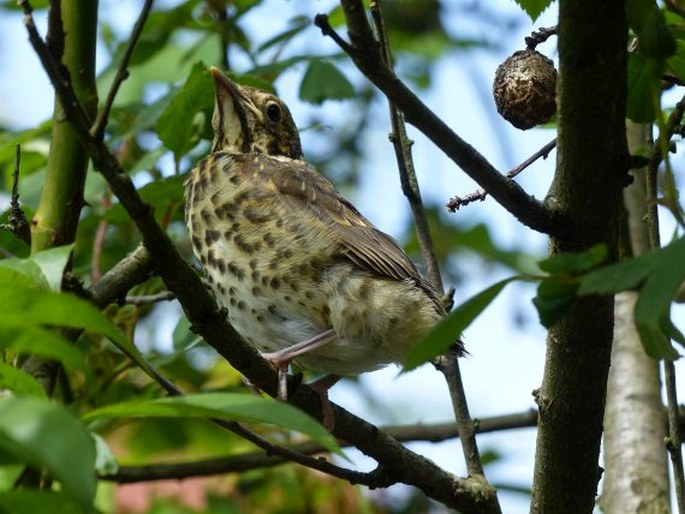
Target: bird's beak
230 112
226 89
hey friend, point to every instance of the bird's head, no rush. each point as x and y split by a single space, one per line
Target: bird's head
250 120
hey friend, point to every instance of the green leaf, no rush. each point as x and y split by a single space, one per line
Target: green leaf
676 63
323 81
19 336
52 263
659 273
105 461
32 502
183 337
571 264
648 22
22 272
554 298
161 194
644 76
29 307
534 8
230 406
42 270
45 435
175 126
449 329
19 382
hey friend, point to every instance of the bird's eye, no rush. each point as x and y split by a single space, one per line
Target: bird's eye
273 112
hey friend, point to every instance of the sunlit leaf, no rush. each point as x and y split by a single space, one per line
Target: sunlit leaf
52 263
19 382
534 8
45 435
29 307
230 406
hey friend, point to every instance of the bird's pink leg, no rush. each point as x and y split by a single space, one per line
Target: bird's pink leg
281 359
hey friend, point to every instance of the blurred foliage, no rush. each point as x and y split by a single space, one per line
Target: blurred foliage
158 128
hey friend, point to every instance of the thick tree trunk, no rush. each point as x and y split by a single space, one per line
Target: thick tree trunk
591 172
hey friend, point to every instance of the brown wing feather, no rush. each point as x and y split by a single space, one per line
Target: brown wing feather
359 240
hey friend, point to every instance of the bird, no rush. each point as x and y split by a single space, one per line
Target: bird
303 275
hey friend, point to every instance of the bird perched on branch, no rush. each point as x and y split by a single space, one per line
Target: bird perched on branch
303 275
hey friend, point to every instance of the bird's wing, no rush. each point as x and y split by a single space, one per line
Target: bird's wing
358 239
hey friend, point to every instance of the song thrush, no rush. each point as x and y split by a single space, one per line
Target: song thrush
301 272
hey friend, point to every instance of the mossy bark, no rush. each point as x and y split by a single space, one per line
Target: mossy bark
56 218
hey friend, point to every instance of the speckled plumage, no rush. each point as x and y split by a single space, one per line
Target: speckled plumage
288 256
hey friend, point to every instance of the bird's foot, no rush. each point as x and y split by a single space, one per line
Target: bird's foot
281 359
321 387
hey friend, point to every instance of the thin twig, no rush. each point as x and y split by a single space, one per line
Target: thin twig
16 219
258 460
539 36
480 194
99 240
146 299
674 435
449 364
674 444
98 128
365 53
405 163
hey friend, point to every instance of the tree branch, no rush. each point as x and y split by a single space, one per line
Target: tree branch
17 223
448 364
366 55
257 460
98 128
480 194
402 465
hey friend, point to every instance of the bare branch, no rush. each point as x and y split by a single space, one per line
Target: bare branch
257 460
539 36
405 163
98 128
480 194
16 220
365 53
164 296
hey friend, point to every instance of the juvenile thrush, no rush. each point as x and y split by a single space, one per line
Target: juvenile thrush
301 272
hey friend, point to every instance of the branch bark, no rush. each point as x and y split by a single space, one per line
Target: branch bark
591 172
365 53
